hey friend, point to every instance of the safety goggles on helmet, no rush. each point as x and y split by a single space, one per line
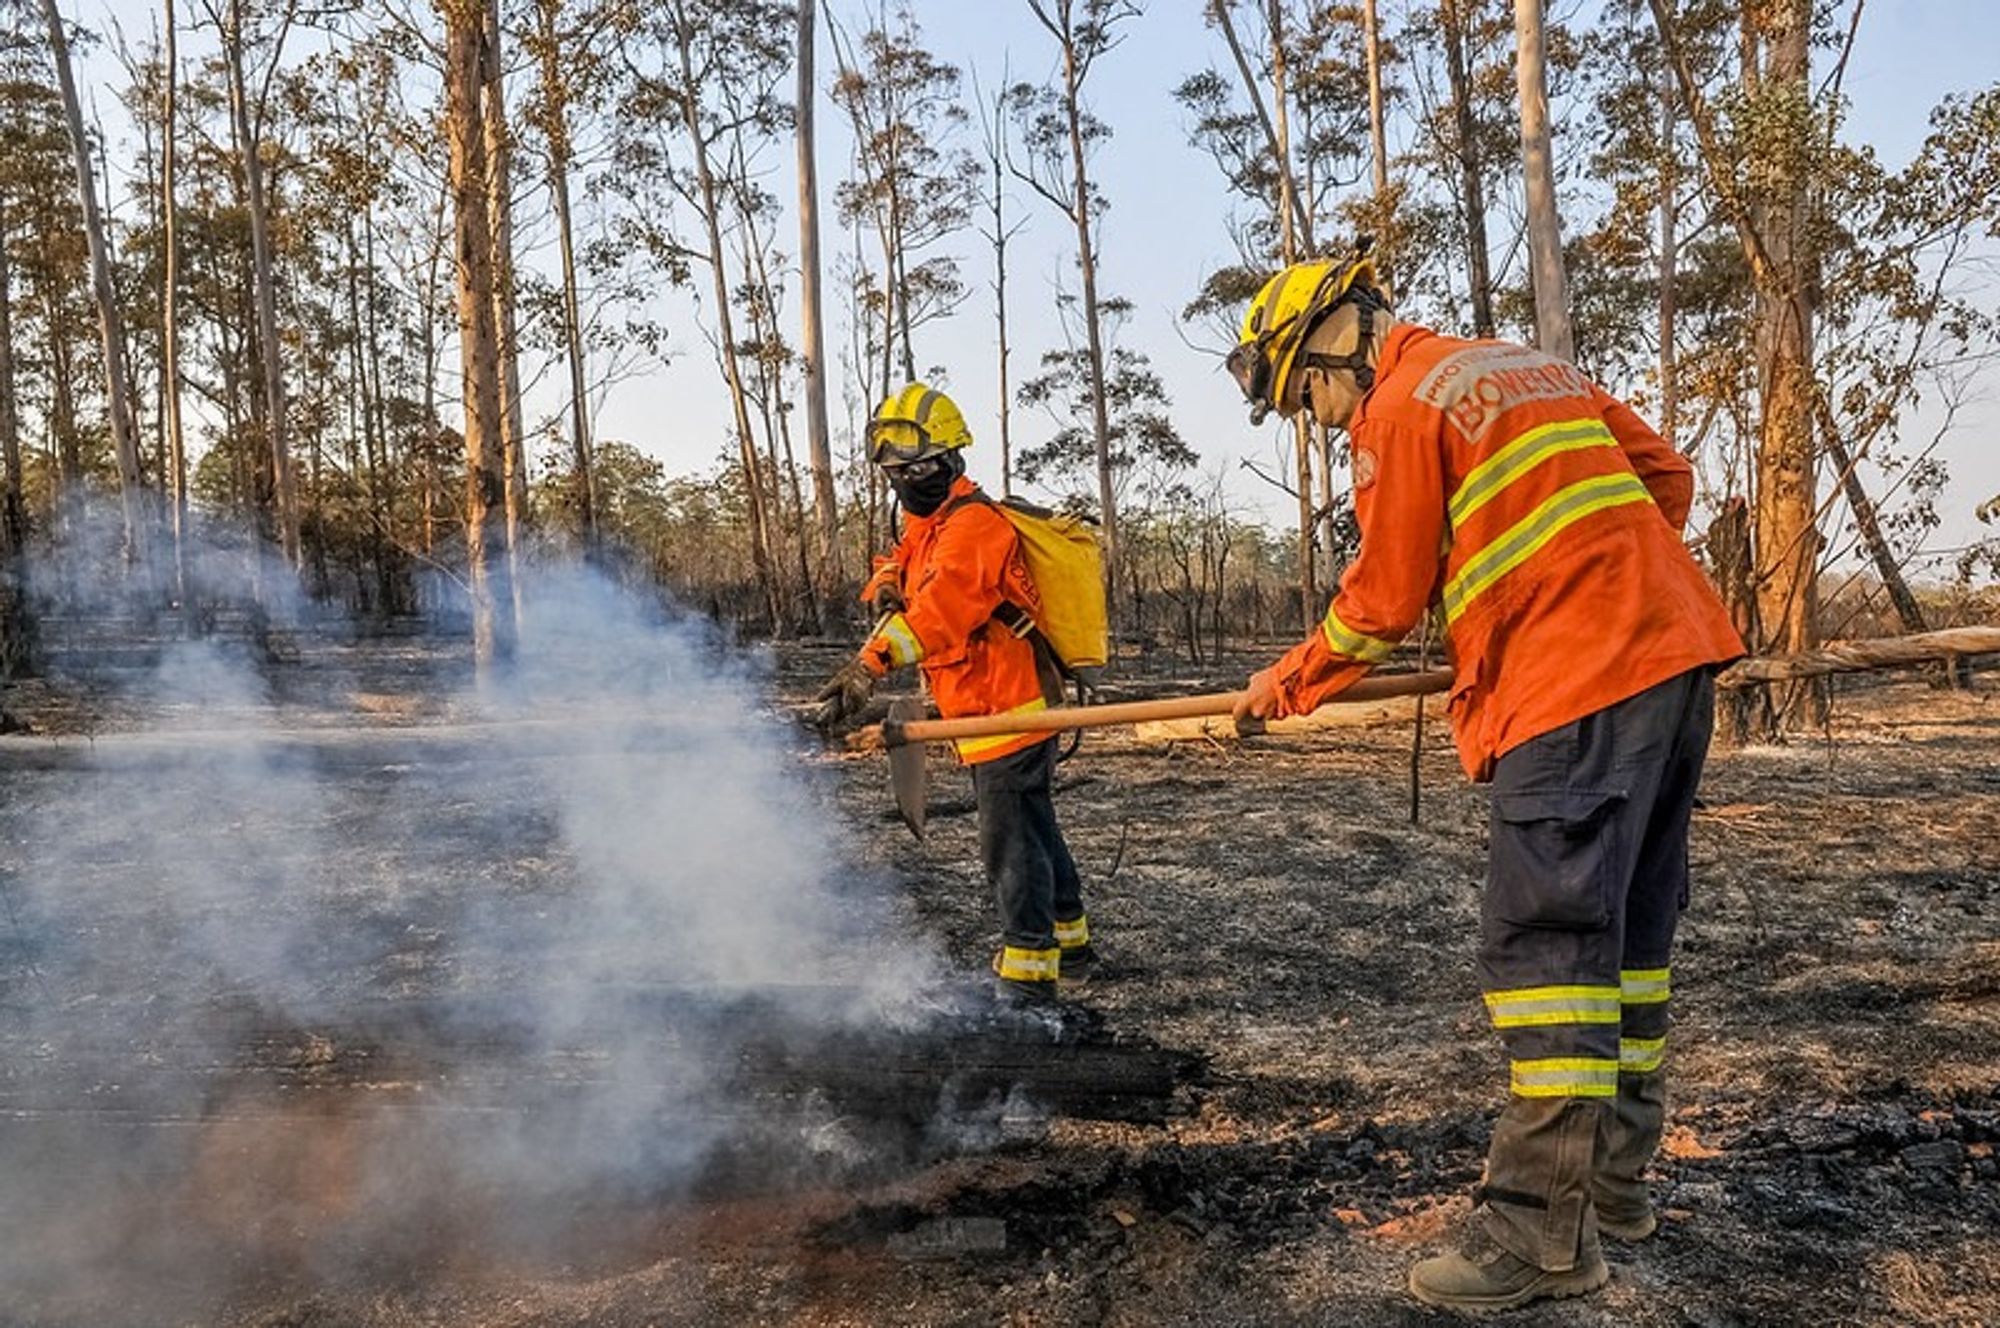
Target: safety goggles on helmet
1251 369
900 442
913 422
917 471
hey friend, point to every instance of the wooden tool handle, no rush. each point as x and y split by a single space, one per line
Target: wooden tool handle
1063 718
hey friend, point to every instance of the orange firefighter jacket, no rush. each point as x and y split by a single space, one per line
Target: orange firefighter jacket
956 567
1541 515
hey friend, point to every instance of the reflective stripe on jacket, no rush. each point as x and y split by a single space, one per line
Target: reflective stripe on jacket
1541 514
957 566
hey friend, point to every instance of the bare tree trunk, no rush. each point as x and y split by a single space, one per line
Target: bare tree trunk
500 212
1787 543
1086 257
432 355
996 155
1290 238
17 624
1378 133
62 401
711 204
812 336
771 395
265 282
381 468
1458 71
170 335
998 237
111 328
1219 10
555 109
486 477
1868 523
1552 326
13 516
1670 369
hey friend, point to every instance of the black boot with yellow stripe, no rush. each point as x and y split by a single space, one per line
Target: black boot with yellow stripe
1027 977
1079 958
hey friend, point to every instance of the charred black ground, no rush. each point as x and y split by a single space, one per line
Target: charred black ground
1279 920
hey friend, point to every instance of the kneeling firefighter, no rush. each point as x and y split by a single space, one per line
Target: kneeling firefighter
955 597
1542 518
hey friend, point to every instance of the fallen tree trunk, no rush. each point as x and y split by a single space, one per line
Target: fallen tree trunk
1857 656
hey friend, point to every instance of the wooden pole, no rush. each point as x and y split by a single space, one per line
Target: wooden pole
1060 719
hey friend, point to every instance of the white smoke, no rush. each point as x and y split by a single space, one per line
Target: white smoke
292 974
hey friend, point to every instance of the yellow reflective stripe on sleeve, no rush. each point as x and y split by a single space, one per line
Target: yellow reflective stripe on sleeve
1641 1055
1018 965
904 648
1344 640
975 746
1644 986
1565 1076
1532 448
1072 934
1561 510
1539 1007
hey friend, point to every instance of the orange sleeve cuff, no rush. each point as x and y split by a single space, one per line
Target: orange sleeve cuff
1310 674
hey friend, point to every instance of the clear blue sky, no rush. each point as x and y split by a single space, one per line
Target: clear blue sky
1165 230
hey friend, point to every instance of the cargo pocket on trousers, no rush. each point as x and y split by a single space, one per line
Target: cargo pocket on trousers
1553 855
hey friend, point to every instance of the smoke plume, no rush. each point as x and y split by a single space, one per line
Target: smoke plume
347 967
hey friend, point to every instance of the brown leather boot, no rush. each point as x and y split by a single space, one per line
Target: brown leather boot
1539 1165
1482 1277
1631 1137
1534 1235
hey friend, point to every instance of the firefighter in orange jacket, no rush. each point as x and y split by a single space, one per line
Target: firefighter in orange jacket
1542 519
957 566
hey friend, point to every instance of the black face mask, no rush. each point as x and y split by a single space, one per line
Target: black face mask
923 495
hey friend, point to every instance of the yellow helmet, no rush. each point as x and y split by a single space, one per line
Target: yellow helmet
1284 314
915 423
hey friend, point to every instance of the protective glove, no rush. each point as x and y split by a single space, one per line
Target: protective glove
884 592
844 695
888 599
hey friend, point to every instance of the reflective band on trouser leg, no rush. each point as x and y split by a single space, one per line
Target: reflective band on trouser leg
1344 640
1541 1007
1566 1076
1520 541
971 747
1014 964
1569 1016
1073 934
1645 986
1641 1055
1642 1033
904 648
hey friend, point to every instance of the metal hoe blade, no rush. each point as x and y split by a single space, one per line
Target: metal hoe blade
908 766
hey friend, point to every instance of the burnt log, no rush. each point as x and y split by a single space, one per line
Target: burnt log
718 1055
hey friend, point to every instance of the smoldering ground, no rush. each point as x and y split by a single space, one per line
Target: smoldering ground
296 988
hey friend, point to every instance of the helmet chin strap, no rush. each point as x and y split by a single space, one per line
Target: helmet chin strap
1355 361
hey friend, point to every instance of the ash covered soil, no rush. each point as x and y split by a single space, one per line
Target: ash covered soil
1271 908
